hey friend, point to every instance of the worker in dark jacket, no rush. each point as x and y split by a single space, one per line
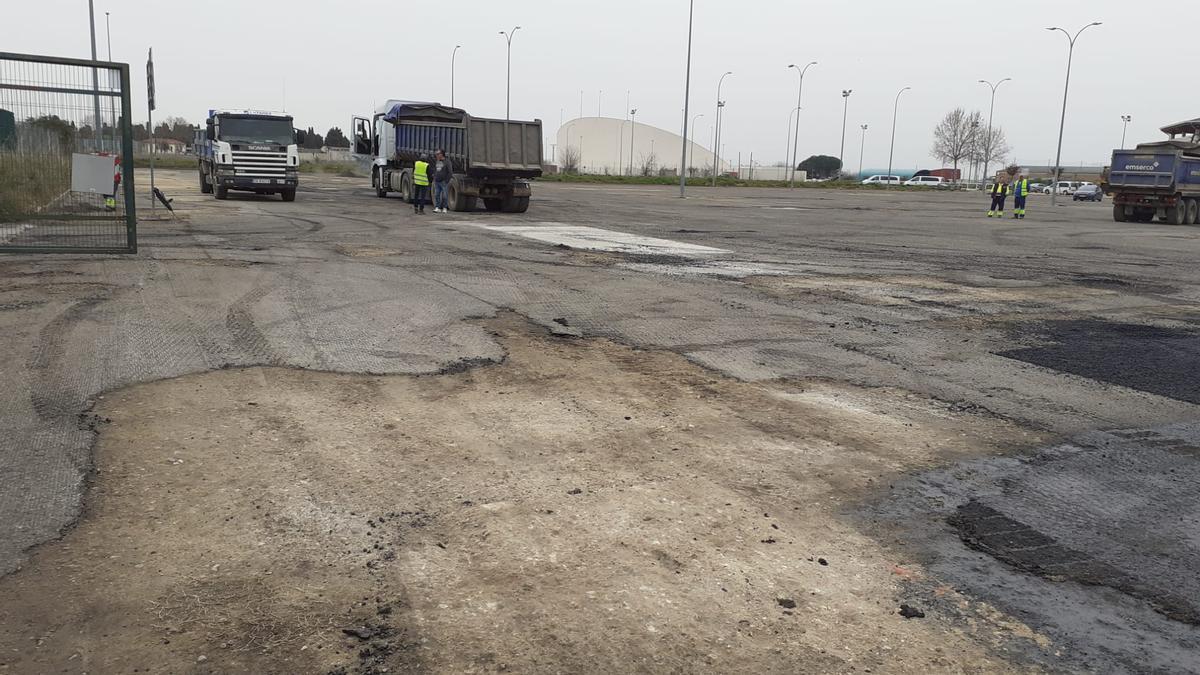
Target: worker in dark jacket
443 171
420 183
1000 192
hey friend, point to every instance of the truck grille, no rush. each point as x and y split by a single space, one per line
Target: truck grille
256 164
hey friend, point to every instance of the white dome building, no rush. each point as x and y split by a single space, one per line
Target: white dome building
604 145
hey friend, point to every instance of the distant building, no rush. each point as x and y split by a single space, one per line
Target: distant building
161 146
603 146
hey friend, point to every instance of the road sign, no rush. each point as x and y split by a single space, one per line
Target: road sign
150 78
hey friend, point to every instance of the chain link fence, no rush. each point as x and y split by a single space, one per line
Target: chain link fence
66 156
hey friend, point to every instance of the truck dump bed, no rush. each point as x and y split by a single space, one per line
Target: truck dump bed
476 145
1155 167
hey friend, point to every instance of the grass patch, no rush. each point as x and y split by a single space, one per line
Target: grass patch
30 182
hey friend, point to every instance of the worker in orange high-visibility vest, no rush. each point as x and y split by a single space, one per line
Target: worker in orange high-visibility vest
420 183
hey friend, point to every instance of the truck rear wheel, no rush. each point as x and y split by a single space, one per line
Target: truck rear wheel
493 203
516 204
1177 214
459 201
1193 212
1119 213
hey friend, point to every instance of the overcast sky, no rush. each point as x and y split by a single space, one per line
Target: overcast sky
339 58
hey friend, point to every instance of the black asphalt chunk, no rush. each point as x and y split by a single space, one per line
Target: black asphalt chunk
1153 359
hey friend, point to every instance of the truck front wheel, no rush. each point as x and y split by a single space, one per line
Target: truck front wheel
377 179
288 195
222 192
205 186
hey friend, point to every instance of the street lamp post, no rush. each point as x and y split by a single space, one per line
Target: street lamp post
717 130
95 81
892 149
508 35
689 164
112 110
687 96
787 147
987 141
452 55
1125 119
796 139
861 147
845 109
632 129
1063 121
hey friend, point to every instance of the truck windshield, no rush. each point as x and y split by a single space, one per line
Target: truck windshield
273 131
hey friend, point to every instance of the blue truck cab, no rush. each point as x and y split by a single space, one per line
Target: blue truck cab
1159 179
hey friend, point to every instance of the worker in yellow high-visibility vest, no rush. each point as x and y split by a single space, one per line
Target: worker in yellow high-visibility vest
420 183
1000 192
1020 192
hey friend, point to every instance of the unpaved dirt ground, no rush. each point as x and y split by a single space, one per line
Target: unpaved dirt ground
580 507
333 437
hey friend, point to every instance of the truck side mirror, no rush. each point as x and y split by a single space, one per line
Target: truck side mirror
301 137
208 130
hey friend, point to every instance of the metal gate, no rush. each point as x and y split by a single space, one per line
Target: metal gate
66 156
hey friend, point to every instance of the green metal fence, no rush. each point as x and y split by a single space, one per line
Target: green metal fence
66 156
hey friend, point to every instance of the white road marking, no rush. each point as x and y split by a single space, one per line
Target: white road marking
596 239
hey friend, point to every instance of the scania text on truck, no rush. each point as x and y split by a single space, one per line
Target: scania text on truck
1158 180
493 159
250 151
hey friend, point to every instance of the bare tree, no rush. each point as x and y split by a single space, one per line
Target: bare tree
993 150
954 136
568 159
648 163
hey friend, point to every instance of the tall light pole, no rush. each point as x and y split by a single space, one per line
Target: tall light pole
845 109
599 103
892 150
112 111
632 129
1063 121
987 141
787 148
508 35
95 80
1125 119
796 140
861 147
698 116
687 96
717 130
452 55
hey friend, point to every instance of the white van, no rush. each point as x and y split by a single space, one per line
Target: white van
882 180
926 181
1064 187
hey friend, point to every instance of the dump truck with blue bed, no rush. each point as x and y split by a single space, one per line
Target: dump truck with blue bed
493 159
1159 179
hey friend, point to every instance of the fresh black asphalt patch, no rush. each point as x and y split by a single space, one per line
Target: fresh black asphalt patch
1153 359
1091 543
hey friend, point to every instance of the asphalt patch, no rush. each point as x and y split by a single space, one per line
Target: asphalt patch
1153 359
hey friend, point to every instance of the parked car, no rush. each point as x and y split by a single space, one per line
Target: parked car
927 181
1037 187
882 180
1064 187
1088 193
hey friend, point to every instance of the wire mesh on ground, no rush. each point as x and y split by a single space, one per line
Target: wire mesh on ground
66 156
